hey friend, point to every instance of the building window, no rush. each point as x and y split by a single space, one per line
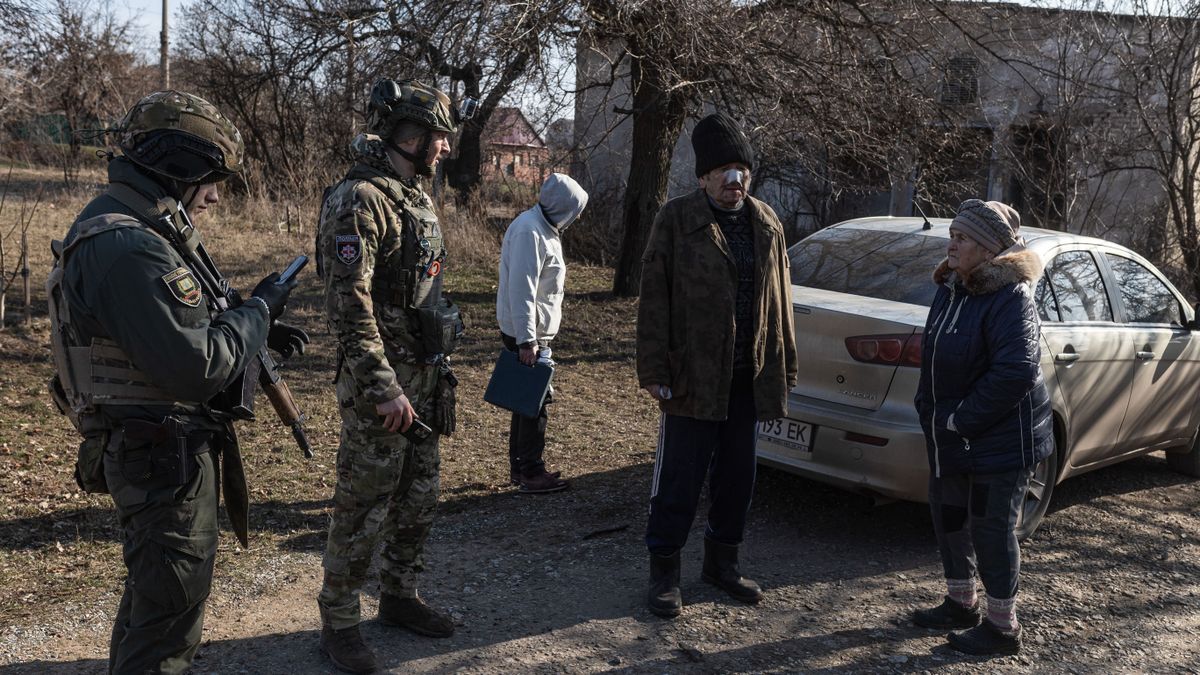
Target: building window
961 82
517 159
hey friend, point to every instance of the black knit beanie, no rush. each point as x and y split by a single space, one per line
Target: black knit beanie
717 141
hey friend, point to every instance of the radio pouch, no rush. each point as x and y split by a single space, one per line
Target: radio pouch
441 327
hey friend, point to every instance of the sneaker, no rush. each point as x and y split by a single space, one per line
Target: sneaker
514 476
415 615
986 640
347 650
948 615
542 483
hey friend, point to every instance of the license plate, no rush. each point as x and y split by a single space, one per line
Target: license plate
789 433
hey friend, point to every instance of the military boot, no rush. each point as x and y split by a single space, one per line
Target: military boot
347 650
664 598
415 615
721 570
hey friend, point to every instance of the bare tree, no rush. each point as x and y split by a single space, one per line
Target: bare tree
825 90
17 235
1158 91
289 71
77 63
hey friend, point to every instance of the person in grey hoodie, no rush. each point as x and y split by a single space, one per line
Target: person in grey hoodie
533 274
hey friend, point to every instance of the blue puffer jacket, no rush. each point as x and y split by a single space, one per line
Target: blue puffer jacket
981 399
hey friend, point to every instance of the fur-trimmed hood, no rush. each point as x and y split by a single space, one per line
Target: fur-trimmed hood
1015 264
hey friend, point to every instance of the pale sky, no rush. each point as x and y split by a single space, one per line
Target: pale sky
147 19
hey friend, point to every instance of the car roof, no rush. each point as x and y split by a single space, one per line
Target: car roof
941 228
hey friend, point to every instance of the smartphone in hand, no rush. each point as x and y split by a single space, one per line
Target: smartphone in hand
418 432
292 269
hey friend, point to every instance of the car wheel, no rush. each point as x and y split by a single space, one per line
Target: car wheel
1186 460
1037 497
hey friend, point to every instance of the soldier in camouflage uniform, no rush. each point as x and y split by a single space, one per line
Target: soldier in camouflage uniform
381 254
141 353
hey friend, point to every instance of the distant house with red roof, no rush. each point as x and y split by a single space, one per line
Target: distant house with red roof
513 150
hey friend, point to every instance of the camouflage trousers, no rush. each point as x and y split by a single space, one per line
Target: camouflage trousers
387 492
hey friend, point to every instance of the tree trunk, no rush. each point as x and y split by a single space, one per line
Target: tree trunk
658 117
463 172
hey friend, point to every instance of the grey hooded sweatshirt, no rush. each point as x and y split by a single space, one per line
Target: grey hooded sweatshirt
533 272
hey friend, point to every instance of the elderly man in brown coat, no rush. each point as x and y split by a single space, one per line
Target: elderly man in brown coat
715 347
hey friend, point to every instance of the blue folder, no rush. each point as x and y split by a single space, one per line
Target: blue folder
517 387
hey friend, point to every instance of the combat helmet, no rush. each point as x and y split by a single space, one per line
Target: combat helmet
182 137
395 102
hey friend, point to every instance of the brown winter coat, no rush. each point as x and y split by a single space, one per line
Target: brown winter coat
685 318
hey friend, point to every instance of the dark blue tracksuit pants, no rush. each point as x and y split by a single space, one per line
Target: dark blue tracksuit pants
689 450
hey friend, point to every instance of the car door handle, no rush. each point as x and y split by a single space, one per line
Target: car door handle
1145 356
1068 357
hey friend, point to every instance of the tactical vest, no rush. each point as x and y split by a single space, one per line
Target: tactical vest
414 282
99 373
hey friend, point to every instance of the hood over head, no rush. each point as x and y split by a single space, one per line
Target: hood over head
562 200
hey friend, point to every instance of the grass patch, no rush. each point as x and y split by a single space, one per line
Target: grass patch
60 547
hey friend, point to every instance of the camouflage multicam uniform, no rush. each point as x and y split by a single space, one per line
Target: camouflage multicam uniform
387 488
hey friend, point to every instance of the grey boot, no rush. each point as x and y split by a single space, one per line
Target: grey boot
664 598
721 570
347 650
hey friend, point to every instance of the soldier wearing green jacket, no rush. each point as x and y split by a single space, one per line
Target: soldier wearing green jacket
382 257
142 354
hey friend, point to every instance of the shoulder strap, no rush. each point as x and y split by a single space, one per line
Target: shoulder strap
317 236
160 216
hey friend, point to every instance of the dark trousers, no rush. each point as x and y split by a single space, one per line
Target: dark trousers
975 519
169 542
526 435
690 450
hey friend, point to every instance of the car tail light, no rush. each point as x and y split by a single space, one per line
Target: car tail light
889 350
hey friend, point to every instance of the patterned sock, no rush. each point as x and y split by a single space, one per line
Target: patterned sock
962 591
1003 614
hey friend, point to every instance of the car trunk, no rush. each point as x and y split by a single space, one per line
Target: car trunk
828 371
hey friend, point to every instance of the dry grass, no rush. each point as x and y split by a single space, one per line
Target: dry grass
59 547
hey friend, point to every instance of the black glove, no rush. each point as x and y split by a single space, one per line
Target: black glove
275 295
286 340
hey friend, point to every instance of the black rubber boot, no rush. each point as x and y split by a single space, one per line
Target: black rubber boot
986 640
948 615
347 650
664 598
721 570
415 615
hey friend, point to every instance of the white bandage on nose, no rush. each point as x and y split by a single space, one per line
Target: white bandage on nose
732 176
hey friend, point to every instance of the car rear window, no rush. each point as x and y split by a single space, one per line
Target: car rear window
877 264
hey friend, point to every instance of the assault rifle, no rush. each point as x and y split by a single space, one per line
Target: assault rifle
263 370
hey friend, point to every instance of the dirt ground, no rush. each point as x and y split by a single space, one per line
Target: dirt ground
555 583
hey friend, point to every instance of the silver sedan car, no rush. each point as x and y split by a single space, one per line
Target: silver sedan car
1120 355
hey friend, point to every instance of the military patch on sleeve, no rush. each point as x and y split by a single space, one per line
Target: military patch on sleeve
183 286
349 248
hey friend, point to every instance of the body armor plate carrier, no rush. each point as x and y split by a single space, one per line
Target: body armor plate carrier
100 372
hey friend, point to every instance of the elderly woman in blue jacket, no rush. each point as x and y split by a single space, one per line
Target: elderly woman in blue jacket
986 415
